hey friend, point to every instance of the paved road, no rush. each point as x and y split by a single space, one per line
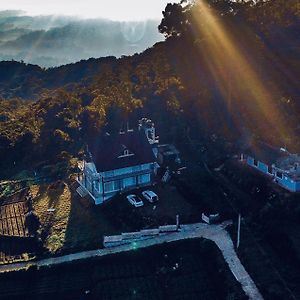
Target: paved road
216 233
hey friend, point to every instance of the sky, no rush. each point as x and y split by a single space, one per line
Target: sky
120 10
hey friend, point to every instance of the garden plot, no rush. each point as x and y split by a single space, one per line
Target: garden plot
12 220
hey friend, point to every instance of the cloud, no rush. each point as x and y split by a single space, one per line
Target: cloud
55 40
121 10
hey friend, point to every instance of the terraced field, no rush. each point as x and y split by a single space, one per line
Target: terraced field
16 241
12 219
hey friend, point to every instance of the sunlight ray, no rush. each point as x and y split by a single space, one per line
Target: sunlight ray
229 64
31 51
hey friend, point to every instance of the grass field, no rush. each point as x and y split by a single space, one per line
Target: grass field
193 269
68 222
54 224
75 224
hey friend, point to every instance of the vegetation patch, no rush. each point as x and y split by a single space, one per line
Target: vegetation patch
193 269
52 205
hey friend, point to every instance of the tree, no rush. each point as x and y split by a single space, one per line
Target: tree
175 21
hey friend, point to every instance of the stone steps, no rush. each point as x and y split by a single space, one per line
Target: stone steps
81 191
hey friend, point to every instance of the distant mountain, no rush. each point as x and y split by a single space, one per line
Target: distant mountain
54 40
27 81
10 13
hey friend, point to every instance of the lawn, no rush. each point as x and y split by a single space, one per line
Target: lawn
52 205
70 223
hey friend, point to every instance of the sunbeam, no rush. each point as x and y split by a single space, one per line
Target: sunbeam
31 52
229 65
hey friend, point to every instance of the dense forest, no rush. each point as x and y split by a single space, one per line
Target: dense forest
229 69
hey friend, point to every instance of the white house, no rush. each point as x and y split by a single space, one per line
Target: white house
120 162
277 163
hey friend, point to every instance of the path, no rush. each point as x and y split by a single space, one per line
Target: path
216 233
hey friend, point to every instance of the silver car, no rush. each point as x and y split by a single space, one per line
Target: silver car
135 200
150 196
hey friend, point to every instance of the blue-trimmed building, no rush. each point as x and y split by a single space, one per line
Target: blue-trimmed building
277 163
119 162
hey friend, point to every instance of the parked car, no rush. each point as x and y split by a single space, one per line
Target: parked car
135 200
150 196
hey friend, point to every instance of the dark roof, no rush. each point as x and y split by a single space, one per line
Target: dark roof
106 149
168 149
266 153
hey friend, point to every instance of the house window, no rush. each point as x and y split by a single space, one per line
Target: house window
108 187
125 153
88 183
144 178
98 186
255 162
279 174
117 185
145 167
270 170
130 181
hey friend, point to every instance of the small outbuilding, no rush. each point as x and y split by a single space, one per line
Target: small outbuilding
277 163
167 153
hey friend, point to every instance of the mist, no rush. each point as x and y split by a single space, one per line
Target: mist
56 40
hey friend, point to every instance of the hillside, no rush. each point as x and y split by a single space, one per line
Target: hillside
246 85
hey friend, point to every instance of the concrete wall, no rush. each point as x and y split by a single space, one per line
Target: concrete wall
131 237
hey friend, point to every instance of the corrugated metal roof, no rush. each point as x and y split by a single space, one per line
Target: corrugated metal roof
266 153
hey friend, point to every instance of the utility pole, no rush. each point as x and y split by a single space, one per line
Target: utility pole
177 222
238 232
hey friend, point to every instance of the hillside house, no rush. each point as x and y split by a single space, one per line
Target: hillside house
120 162
277 163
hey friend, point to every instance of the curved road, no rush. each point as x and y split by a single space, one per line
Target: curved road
215 233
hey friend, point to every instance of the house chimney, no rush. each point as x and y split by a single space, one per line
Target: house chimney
148 127
128 128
